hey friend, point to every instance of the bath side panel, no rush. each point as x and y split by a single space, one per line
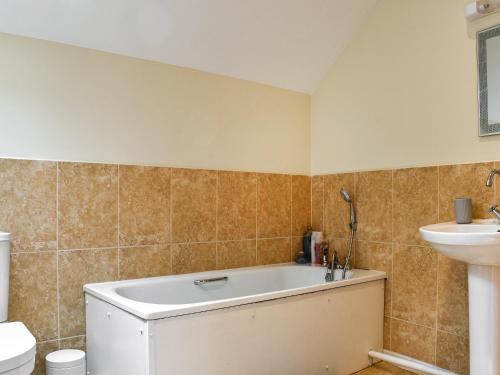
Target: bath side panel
327 332
117 342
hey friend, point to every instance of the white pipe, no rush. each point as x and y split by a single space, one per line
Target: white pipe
409 363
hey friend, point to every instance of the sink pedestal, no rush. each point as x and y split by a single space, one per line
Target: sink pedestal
484 319
477 244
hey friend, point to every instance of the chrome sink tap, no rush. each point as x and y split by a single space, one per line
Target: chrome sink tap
493 210
489 183
491 176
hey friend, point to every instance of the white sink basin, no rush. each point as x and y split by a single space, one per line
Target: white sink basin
476 243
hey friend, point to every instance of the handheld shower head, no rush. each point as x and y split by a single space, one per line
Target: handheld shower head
352 225
345 195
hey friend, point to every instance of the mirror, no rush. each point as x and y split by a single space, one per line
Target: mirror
488 59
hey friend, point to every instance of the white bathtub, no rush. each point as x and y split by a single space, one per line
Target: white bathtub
281 319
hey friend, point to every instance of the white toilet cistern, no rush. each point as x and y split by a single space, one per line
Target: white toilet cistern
17 344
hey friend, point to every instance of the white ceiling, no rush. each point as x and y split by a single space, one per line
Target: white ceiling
284 43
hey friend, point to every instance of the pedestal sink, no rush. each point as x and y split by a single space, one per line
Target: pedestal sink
477 244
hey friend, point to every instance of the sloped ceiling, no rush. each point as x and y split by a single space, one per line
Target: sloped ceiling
284 43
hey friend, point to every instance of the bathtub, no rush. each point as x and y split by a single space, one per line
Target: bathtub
282 319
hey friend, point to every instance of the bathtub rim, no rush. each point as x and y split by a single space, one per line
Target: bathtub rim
106 292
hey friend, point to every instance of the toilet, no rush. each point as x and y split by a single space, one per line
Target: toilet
17 344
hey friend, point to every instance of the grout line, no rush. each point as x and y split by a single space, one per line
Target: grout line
118 227
31 252
323 208
310 200
142 246
452 334
257 178
89 249
47 341
155 245
437 273
193 243
392 245
413 323
383 243
291 218
171 208
392 282
437 303
59 339
494 184
58 297
390 332
217 183
438 193
392 205
354 240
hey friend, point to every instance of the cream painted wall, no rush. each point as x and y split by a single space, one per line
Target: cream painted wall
402 94
68 103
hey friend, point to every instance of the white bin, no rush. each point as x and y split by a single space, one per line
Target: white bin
65 362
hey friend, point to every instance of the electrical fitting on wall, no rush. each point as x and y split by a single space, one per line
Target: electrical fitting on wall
481 8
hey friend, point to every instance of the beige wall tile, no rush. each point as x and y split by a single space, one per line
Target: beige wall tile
301 204
496 184
196 257
42 349
28 204
415 203
33 292
88 205
234 254
373 200
341 246
273 251
149 261
383 368
387 333
453 306
236 206
377 256
296 247
193 205
336 214
273 205
77 342
77 268
412 340
452 353
317 203
144 205
414 289
464 180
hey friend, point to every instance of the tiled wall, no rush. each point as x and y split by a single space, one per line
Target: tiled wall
75 223
426 309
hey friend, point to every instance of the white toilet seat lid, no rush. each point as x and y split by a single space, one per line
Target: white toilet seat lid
17 346
66 358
